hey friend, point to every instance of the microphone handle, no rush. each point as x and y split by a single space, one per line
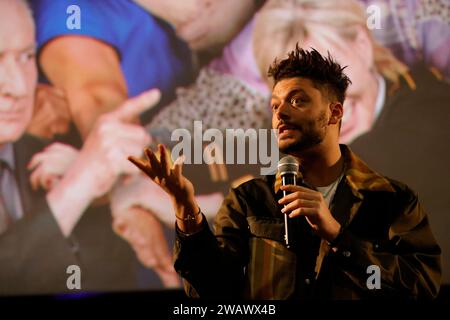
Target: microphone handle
287 179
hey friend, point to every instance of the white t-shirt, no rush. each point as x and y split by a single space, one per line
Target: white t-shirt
329 190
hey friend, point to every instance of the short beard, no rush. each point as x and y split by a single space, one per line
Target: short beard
311 136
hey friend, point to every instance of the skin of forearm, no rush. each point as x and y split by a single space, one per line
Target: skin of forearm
90 102
69 200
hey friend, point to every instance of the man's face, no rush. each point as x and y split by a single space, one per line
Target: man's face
18 74
300 112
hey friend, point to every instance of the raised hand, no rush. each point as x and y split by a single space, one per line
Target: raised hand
102 160
113 138
172 181
169 179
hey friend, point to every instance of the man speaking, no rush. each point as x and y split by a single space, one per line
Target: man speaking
350 219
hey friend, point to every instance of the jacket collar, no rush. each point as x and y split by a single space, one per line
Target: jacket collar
360 177
357 174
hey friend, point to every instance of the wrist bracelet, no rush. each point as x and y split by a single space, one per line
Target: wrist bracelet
189 217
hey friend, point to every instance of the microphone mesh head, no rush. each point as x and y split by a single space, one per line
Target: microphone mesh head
288 164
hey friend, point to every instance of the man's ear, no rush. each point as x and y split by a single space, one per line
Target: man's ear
336 112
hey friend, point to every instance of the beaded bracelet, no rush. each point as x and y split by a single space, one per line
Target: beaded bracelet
190 217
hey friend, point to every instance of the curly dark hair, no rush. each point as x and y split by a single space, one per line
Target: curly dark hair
325 73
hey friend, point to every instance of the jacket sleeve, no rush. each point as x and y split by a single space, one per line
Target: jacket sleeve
409 260
212 266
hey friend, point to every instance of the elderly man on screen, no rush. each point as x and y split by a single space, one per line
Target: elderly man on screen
42 234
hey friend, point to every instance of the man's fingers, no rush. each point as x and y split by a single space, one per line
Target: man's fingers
49 152
60 147
34 178
178 166
133 107
165 167
294 188
299 203
36 159
302 212
50 182
298 195
143 166
154 163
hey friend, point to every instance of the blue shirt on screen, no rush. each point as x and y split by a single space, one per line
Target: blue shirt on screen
150 54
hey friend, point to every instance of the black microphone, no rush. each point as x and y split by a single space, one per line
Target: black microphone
288 170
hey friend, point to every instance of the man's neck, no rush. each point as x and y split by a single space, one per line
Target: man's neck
322 165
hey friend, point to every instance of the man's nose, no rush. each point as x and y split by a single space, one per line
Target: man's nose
12 79
283 111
